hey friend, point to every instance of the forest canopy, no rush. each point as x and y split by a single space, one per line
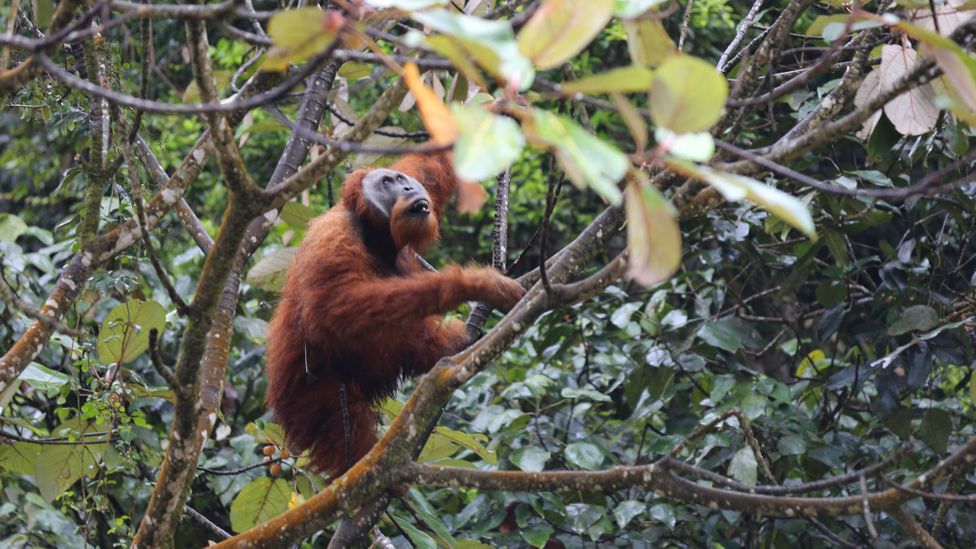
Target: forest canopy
745 231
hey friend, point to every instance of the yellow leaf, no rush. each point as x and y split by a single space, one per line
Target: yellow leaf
298 35
622 79
433 112
648 42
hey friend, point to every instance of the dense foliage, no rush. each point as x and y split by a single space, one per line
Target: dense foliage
796 311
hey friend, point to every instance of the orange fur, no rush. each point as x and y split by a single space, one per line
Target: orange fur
358 311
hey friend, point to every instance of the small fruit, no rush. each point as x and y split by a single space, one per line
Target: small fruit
269 450
275 469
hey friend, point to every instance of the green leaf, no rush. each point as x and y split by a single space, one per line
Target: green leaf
936 427
791 445
428 515
124 334
419 539
258 502
587 160
721 334
58 466
537 536
743 467
736 187
560 29
530 458
297 35
19 457
43 11
491 43
11 227
42 377
297 215
584 455
687 94
820 23
266 433
584 394
481 131
625 511
270 271
653 235
623 79
472 442
352 70
914 318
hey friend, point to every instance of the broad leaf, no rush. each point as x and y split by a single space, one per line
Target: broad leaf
913 112
687 94
270 271
530 458
58 466
625 511
648 42
588 161
483 132
560 29
743 466
918 318
297 215
124 334
260 501
491 43
585 455
624 79
736 187
653 236
297 35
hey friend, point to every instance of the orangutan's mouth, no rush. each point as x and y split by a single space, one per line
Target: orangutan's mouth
420 207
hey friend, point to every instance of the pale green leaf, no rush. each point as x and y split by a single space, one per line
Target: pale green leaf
124 334
917 318
269 272
297 215
585 455
11 227
625 511
560 29
530 458
586 159
491 43
487 143
258 502
58 466
743 467
736 187
623 79
687 94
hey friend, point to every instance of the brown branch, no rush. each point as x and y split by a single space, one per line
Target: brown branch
499 250
740 34
50 321
907 521
111 242
156 358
